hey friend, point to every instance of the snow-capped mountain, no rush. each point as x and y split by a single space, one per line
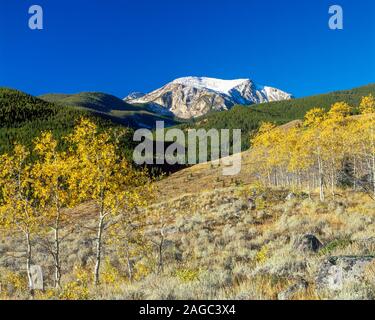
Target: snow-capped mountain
195 96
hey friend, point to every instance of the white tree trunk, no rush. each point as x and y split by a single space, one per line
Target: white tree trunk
28 261
99 249
321 179
57 252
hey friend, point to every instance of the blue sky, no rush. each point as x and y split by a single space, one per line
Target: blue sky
121 46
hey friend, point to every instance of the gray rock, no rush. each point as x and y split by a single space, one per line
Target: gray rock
291 196
36 274
299 286
83 256
307 243
335 272
251 204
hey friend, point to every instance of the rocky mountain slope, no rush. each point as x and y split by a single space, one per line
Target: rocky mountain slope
191 97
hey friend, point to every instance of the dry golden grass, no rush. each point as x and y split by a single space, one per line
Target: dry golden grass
232 252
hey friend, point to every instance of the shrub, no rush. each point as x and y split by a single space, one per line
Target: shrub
187 275
336 244
13 284
74 291
262 255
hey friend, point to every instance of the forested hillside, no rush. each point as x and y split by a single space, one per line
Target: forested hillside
92 100
23 117
110 106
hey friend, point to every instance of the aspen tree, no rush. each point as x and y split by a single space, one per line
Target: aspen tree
51 173
18 207
332 133
313 138
367 107
105 177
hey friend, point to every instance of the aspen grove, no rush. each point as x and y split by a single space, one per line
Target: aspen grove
327 151
38 185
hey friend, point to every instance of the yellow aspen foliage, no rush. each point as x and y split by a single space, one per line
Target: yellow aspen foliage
367 105
314 117
296 153
36 189
339 110
103 175
19 210
331 149
51 174
367 134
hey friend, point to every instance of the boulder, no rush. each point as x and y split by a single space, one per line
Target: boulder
36 278
335 272
307 243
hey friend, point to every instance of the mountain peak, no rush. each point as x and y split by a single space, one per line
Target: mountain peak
191 97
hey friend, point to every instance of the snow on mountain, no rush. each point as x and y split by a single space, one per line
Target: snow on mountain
134 95
218 85
195 96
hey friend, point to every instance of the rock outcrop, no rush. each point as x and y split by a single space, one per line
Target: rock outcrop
336 272
307 243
